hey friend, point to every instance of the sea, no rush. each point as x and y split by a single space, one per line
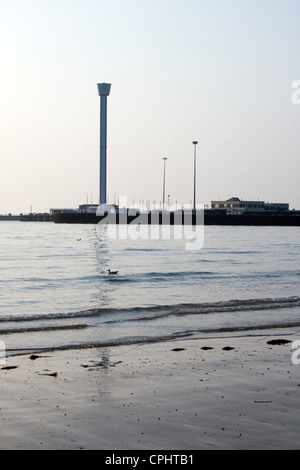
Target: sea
56 292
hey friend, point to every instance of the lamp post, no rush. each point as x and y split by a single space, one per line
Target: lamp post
164 182
195 142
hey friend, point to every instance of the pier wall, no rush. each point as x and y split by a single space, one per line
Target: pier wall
210 218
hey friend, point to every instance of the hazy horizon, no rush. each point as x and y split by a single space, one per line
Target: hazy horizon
219 72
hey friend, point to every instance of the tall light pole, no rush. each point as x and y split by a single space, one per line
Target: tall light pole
195 142
164 182
103 90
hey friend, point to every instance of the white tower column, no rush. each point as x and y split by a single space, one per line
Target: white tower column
103 90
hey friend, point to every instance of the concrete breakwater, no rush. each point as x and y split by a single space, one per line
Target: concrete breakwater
208 217
9 217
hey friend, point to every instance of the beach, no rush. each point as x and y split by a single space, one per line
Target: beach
178 395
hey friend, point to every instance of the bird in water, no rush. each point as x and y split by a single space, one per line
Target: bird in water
112 272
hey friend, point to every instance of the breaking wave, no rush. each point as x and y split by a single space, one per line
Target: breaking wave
158 311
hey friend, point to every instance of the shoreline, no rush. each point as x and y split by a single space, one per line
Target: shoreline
184 394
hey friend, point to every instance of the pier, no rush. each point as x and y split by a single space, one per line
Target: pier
40 217
9 217
209 217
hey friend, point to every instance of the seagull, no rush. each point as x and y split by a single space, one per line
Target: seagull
112 272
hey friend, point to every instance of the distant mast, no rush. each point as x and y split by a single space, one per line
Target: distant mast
103 90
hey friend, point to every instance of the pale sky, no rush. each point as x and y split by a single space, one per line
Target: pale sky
216 71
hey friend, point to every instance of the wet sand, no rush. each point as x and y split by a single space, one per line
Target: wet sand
153 397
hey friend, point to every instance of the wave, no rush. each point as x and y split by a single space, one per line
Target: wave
157 276
148 278
239 331
95 329
157 311
39 329
123 341
216 307
193 276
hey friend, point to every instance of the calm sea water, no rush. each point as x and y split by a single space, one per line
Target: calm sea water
55 291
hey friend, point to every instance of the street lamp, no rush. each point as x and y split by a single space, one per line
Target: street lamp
164 182
195 142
